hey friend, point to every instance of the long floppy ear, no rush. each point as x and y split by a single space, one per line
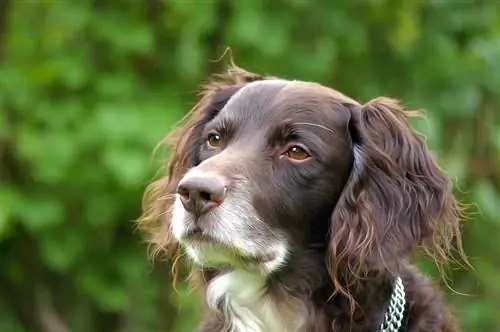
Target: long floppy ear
184 142
397 197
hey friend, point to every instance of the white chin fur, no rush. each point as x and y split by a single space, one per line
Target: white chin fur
229 231
206 254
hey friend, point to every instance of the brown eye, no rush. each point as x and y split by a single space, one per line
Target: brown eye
214 140
297 153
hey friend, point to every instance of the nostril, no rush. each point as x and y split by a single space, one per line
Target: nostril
183 191
206 196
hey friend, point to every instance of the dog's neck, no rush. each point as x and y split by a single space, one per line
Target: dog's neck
248 305
298 299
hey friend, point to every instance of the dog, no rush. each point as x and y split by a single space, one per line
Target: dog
300 209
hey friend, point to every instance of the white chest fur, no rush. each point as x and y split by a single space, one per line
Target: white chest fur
248 308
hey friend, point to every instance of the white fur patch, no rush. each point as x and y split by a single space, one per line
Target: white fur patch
358 160
252 85
245 304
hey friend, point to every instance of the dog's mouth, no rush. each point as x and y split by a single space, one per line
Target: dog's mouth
197 236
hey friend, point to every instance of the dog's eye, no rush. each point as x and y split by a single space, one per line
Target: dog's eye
297 153
214 140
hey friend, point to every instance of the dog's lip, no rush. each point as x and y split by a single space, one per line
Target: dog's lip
199 235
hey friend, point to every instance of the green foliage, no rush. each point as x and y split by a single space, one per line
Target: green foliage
87 89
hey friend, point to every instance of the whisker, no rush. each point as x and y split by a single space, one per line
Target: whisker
316 125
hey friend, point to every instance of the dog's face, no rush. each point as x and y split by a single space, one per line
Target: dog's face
263 169
267 171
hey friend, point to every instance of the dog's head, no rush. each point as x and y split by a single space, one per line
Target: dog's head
264 168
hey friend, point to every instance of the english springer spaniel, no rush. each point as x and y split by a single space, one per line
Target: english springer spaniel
300 208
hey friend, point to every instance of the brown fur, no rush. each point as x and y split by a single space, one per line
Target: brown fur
396 201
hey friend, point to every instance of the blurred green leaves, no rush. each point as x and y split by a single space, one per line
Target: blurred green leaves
88 88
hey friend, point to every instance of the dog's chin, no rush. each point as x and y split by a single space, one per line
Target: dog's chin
226 246
215 254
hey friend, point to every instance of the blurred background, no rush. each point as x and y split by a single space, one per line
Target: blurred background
87 89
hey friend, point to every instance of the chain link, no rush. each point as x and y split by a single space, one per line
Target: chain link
393 317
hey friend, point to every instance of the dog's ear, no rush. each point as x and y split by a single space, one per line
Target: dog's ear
184 143
396 197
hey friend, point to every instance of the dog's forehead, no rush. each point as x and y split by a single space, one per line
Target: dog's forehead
279 99
253 97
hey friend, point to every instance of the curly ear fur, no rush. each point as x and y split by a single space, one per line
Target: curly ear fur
184 142
397 197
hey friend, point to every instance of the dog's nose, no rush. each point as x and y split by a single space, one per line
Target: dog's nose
200 193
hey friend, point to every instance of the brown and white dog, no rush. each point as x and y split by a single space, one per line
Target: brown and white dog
300 208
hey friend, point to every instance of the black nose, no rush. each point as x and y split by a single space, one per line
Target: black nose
200 193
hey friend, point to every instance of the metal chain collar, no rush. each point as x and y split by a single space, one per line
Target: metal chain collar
393 317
